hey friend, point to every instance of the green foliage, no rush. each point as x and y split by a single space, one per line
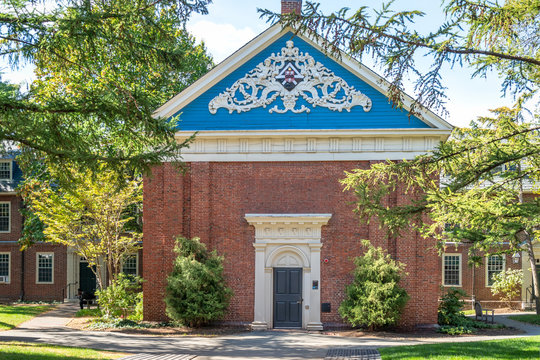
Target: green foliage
455 330
88 313
121 298
374 299
507 284
450 307
196 290
101 68
89 215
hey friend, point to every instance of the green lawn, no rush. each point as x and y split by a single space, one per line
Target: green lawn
13 315
509 349
531 319
27 351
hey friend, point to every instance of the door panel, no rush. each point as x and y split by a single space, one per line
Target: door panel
288 297
87 279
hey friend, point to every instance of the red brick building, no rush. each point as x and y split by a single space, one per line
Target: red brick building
278 124
43 272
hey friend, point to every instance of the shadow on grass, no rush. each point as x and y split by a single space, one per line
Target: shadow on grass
25 351
24 310
523 348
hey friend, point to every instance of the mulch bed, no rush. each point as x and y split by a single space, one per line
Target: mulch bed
82 323
422 333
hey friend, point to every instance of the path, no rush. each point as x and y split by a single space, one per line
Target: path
49 328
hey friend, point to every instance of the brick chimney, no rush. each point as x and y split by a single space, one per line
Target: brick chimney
290 6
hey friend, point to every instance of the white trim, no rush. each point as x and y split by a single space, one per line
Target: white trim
9 267
10 170
252 48
136 262
37 268
487 267
9 220
310 145
460 269
287 240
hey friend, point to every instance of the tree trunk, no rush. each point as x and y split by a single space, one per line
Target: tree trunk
532 262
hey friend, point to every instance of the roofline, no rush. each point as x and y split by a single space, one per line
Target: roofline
252 48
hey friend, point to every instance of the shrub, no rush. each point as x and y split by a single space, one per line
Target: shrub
196 292
374 299
507 284
121 297
450 308
455 330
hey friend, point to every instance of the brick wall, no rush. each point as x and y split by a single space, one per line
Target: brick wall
289 6
474 279
211 200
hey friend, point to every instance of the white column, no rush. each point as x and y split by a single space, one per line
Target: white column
314 321
259 319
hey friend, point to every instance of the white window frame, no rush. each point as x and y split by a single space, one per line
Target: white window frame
460 269
37 268
9 217
9 267
487 267
10 170
136 263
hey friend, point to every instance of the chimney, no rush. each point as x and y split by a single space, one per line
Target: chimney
291 6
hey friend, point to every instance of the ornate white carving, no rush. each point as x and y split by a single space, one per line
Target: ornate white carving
289 75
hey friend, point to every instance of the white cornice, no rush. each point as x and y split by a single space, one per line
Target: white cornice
253 47
310 145
259 219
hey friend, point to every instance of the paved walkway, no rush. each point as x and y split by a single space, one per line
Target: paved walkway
50 328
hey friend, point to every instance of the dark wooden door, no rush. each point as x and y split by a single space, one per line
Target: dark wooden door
87 278
288 297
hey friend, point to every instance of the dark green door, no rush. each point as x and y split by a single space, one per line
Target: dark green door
87 278
288 297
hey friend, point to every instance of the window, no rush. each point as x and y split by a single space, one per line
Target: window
5 265
5 217
45 268
130 265
452 269
5 170
494 265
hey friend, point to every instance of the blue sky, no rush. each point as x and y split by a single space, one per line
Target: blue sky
232 23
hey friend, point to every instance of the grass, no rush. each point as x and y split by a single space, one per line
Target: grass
27 351
531 319
468 312
88 313
508 349
13 315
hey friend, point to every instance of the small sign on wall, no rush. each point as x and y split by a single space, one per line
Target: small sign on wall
326 308
315 285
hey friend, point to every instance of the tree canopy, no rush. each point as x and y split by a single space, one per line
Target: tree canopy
486 168
102 68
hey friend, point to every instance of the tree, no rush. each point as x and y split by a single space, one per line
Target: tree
507 285
91 216
196 290
374 299
102 68
481 200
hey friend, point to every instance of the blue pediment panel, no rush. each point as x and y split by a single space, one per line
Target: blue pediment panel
271 91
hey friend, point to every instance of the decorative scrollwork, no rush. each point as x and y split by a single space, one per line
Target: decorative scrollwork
289 75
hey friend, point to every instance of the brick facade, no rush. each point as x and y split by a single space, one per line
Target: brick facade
211 199
289 6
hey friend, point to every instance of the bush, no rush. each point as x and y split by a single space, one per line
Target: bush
455 330
121 298
374 299
450 312
196 290
507 284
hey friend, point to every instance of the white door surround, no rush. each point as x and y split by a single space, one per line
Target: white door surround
287 240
